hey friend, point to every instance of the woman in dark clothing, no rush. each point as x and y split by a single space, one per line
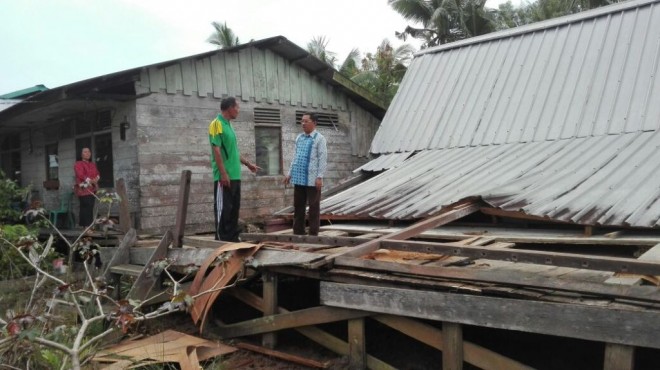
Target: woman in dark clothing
87 178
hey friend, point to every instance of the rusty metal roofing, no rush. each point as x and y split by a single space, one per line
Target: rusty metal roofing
604 180
589 74
384 162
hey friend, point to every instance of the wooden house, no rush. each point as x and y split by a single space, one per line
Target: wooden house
147 124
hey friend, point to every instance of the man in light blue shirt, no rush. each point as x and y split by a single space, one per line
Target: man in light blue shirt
306 173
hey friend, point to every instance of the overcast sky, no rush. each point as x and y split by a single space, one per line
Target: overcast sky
58 42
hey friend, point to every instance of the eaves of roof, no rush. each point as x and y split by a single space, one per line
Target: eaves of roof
278 45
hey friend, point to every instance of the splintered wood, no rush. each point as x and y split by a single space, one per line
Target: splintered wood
167 347
224 264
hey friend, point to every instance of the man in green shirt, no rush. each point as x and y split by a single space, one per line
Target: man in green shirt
226 162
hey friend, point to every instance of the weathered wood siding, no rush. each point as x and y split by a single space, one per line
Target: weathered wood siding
185 96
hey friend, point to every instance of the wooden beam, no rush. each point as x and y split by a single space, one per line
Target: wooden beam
270 305
652 254
453 213
619 357
501 276
125 221
580 261
474 354
305 317
511 235
317 335
149 276
452 354
121 255
357 356
181 209
597 323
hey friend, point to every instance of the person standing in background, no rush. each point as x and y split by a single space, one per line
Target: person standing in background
308 166
226 162
87 179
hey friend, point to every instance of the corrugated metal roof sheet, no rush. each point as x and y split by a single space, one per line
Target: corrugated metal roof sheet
559 119
605 180
384 162
590 74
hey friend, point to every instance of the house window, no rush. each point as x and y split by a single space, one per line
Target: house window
10 156
52 162
268 141
324 119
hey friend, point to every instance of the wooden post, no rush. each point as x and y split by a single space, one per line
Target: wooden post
181 209
270 306
357 348
125 222
452 352
619 357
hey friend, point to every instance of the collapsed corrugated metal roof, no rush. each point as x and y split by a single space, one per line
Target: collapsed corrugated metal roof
557 120
585 180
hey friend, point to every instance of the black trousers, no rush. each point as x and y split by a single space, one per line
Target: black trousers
86 214
302 196
226 205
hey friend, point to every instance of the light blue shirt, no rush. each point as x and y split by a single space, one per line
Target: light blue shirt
310 159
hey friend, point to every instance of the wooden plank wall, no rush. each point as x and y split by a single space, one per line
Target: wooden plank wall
250 74
173 124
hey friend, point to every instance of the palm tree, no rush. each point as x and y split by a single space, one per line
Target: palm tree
382 71
223 36
318 47
350 67
444 21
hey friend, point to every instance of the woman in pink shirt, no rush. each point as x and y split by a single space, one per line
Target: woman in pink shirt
87 178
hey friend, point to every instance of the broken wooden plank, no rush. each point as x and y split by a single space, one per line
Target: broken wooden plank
150 275
168 346
601 263
304 317
620 326
450 214
181 209
284 356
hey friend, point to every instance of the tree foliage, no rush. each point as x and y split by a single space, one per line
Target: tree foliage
445 21
318 47
382 71
223 37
